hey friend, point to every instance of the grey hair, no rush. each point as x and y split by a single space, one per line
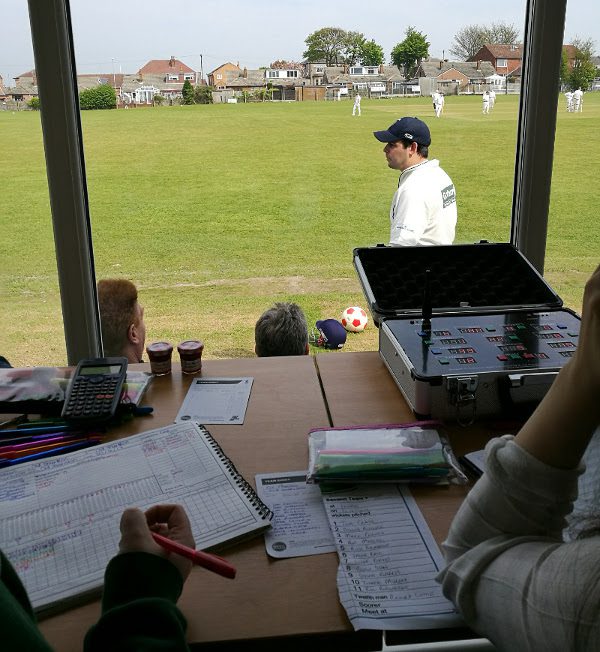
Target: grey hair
281 330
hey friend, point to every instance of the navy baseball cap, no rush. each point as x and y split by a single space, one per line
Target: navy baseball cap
332 335
405 129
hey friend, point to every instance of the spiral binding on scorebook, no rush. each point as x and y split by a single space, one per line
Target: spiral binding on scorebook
263 511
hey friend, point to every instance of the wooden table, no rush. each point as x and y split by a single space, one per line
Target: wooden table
271 599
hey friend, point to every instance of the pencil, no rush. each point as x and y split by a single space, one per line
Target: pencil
206 560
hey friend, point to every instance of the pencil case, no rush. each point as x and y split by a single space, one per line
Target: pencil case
409 452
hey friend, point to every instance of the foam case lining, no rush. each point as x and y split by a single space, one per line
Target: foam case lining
490 277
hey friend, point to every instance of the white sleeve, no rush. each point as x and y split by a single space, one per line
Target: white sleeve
509 572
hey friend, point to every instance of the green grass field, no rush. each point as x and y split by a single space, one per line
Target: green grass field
217 211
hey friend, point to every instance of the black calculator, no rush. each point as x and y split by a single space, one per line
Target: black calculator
95 390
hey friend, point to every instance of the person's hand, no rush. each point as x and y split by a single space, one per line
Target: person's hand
169 520
587 356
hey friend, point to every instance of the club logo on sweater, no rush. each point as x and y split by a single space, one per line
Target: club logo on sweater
448 196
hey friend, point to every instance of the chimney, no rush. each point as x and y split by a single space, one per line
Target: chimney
478 63
245 72
381 69
441 62
172 62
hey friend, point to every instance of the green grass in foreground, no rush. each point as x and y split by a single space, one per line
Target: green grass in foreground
217 211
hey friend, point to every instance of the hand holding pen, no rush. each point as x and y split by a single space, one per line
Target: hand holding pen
165 530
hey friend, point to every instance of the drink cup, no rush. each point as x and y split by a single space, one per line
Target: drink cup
159 354
190 354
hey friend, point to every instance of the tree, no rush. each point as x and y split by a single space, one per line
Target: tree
408 54
354 43
99 97
470 39
282 64
203 94
372 54
188 92
583 70
34 103
326 44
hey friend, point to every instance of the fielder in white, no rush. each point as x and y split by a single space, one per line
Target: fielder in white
569 98
492 95
578 100
356 106
438 103
423 210
486 102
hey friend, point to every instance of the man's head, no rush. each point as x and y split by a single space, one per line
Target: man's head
407 143
281 330
122 319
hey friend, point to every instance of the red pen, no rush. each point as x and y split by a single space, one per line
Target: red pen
205 559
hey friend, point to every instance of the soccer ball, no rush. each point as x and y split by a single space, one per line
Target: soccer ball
354 319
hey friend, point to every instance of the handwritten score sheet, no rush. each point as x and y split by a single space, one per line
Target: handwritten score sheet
60 516
388 560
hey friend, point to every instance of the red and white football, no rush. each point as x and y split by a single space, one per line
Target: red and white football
354 319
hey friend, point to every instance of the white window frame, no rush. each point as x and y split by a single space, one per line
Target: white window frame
356 70
502 63
190 76
171 77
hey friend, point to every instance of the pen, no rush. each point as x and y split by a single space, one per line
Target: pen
38 430
50 453
205 559
19 450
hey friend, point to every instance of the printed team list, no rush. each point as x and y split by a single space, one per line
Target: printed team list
388 560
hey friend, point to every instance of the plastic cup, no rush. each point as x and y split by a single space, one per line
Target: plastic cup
159 354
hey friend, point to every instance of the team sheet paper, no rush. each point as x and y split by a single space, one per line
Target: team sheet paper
388 560
299 526
216 400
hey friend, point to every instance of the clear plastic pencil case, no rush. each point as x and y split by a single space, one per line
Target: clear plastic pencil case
407 452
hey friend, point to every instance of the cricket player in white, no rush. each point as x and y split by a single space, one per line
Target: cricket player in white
356 106
578 100
486 102
492 96
423 210
569 98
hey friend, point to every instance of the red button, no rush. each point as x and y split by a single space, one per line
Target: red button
503 358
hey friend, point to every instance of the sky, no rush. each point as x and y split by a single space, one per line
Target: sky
122 35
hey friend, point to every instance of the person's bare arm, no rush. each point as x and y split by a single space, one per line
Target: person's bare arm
559 430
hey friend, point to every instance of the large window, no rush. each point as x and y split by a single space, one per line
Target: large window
189 203
573 249
31 331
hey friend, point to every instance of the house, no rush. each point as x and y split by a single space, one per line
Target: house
453 77
314 72
504 58
25 87
170 70
218 76
373 81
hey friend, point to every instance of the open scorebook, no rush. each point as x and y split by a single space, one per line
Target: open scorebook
60 516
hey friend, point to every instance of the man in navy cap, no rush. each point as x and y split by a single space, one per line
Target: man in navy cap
423 210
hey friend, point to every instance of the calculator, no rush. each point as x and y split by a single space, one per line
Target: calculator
95 390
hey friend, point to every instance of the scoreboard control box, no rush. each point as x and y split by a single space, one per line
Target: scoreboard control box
466 331
477 365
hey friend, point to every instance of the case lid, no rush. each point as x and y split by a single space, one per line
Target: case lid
462 278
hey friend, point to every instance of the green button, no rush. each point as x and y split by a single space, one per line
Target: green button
515 356
443 361
514 338
521 327
573 334
490 329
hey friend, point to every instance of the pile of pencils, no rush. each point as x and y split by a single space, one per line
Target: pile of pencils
22 440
